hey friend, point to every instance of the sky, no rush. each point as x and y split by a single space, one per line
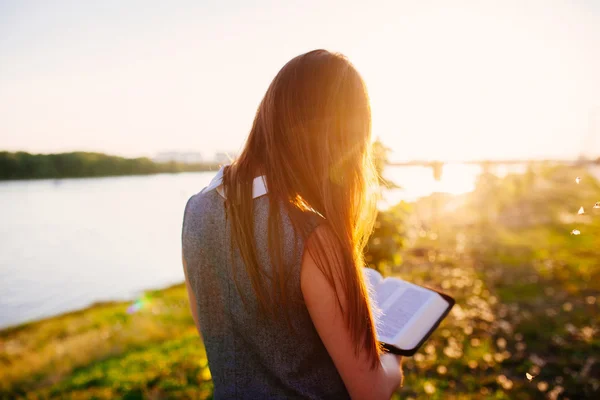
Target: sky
448 80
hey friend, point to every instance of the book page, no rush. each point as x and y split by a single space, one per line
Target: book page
386 290
399 308
423 320
404 313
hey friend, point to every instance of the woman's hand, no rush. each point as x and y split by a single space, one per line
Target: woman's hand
392 365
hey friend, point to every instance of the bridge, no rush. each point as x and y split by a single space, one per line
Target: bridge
589 154
438 166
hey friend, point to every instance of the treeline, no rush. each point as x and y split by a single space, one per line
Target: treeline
23 165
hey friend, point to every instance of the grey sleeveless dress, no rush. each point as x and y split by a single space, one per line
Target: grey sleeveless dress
251 357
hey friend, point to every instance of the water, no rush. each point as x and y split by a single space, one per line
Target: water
65 244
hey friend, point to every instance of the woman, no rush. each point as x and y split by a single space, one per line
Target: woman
272 248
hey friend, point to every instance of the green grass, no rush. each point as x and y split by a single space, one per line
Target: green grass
67 353
173 368
528 298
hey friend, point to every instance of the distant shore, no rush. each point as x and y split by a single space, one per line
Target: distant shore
25 166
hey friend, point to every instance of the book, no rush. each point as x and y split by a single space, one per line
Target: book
405 314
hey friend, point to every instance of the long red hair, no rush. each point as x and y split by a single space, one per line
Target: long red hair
311 138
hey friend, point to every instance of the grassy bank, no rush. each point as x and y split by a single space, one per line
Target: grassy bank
133 350
527 295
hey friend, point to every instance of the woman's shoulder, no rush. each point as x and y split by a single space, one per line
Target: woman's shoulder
202 209
205 197
198 204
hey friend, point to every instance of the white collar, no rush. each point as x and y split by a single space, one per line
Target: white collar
259 185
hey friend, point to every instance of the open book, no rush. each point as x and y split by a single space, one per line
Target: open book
406 314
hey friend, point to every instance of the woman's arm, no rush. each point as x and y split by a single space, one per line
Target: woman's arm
191 297
360 379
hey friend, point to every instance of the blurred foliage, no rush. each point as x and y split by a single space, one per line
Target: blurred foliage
527 291
388 239
23 165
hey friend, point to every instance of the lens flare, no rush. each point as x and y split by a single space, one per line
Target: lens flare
138 304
